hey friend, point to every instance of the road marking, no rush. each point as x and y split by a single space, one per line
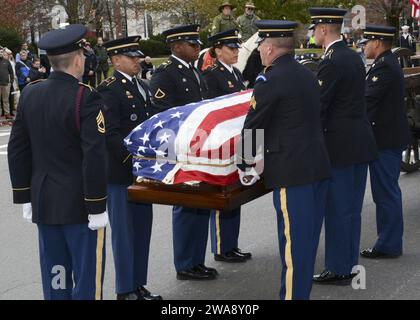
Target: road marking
5 134
3 146
3 153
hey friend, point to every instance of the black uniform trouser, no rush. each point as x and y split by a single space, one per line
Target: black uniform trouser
99 74
90 80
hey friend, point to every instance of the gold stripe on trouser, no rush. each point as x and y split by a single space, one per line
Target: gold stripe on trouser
99 262
288 249
218 240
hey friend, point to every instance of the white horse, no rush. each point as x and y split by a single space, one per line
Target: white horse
245 51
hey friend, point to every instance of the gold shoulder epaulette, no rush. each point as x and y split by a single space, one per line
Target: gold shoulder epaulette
86 85
266 69
108 81
37 81
166 64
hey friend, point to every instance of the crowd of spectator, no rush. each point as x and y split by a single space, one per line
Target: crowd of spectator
25 67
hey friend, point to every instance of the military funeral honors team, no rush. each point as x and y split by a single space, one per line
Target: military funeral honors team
325 134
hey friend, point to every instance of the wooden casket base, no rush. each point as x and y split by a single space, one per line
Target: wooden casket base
201 196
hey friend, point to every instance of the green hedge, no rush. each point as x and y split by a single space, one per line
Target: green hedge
159 37
204 34
154 48
10 38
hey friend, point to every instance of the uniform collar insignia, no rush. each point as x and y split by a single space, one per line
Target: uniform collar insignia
328 54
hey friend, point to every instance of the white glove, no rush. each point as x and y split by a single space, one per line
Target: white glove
249 177
27 212
98 221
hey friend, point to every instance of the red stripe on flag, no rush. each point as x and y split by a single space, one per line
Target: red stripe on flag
186 176
414 8
213 119
224 152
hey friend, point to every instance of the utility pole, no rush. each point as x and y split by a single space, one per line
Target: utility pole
125 17
146 25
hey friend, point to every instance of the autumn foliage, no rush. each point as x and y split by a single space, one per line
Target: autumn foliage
13 13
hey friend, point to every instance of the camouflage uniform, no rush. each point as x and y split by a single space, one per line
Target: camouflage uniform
223 23
247 26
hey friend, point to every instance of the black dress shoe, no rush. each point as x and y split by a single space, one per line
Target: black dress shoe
195 273
230 256
144 294
247 255
329 277
128 296
372 253
207 269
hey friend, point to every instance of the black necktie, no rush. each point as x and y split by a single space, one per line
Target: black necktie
234 74
139 87
195 73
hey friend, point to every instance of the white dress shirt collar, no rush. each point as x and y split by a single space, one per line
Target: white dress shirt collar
182 61
228 67
130 78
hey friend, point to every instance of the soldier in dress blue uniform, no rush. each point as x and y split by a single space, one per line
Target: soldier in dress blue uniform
286 104
350 142
57 166
127 103
221 79
385 105
176 83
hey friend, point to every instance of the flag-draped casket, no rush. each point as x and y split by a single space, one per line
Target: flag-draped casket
186 155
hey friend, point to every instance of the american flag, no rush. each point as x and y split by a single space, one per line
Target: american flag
191 143
415 8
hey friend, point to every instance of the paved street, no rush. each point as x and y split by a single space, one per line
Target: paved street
256 279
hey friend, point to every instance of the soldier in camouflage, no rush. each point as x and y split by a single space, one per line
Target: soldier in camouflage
103 66
225 20
247 21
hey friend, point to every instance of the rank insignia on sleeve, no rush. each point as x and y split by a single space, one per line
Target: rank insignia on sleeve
100 120
160 94
253 103
320 82
375 78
